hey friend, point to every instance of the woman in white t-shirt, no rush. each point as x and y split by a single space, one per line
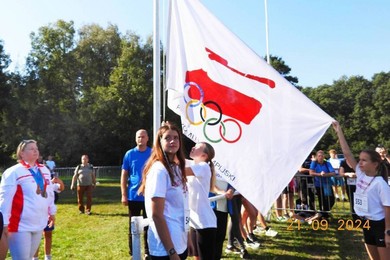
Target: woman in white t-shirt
371 199
166 201
203 222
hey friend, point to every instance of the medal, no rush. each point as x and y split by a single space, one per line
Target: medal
39 179
44 194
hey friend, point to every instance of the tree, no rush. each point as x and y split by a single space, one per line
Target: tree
280 66
52 88
124 106
380 117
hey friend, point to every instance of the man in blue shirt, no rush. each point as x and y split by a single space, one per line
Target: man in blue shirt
131 178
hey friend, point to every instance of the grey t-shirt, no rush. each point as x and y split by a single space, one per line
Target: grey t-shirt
84 175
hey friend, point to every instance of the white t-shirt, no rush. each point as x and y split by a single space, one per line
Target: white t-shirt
221 203
51 165
201 214
377 192
158 184
335 162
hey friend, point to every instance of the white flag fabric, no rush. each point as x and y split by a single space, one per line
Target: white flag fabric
261 127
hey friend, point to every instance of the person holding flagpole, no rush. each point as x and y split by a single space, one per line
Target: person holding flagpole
164 186
371 198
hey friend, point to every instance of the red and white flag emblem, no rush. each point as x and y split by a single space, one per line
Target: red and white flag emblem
261 126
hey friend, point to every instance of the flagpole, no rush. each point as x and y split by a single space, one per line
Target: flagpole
156 69
266 30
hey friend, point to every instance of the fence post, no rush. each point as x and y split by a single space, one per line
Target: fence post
137 226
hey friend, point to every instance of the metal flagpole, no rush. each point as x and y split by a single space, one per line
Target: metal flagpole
156 69
266 30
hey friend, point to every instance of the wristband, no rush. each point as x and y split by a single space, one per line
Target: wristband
172 251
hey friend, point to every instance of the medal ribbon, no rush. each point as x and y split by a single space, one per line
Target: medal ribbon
38 176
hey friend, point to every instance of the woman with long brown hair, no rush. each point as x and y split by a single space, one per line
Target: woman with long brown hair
371 199
164 186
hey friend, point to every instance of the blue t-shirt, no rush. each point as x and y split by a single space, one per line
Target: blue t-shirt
134 162
323 182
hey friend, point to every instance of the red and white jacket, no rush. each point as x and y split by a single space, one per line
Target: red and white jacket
23 209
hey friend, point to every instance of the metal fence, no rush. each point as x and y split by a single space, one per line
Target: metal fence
112 172
344 207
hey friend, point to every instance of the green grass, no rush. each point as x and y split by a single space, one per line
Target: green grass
103 235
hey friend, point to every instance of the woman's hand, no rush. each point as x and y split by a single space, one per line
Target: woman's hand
52 219
336 126
229 194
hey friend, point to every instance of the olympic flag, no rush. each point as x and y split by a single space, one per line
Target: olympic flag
261 127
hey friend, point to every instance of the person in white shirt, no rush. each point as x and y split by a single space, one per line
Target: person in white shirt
371 199
25 203
50 164
337 180
164 186
203 222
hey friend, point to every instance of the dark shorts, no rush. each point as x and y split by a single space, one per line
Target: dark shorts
203 243
47 228
182 256
337 181
375 235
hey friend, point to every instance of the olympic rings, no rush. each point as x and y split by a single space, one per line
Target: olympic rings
223 135
189 85
203 115
204 131
219 110
190 104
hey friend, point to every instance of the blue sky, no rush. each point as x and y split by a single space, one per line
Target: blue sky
321 40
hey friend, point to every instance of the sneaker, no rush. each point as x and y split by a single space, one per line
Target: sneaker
338 199
232 250
47 257
147 257
88 212
281 219
244 254
345 199
252 238
250 244
81 212
316 216
271 233
259 230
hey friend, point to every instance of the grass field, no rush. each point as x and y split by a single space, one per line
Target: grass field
103 235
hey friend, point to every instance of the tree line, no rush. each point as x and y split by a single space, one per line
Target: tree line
88 92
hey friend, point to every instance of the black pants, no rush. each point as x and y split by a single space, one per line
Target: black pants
135 208
350 190
326 202
234 231
306 191
222 220
203 243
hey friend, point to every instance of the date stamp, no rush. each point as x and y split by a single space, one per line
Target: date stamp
323 225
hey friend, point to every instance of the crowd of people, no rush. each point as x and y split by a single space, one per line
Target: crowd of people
174 193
